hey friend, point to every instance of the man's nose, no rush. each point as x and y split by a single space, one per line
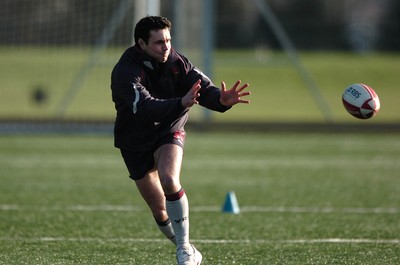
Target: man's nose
165 47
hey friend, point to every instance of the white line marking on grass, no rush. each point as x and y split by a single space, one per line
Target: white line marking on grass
344 240
209 241
79 208
358 210
303 241
244 209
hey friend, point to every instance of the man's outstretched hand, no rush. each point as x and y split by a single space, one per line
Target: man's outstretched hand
228 98
234 95
190 98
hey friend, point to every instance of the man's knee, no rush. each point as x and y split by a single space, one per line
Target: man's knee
170 184
169 160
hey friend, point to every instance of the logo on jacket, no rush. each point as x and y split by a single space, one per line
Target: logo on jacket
180 136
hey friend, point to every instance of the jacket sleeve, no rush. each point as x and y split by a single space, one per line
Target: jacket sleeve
150 108
209 93
129 92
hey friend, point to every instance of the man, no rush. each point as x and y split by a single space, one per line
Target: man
153 88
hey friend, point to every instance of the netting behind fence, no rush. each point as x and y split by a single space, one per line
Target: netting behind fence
56 55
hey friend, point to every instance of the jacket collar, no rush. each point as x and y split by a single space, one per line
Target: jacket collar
148 61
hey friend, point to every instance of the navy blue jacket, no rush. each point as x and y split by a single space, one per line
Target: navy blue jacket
147 97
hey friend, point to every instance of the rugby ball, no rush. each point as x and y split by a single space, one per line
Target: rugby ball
361 101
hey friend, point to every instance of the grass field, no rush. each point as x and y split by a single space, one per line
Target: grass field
279 93
304 199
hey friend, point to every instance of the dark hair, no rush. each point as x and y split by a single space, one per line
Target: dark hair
149 23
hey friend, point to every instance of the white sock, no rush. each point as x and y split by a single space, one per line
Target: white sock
167 230
178 212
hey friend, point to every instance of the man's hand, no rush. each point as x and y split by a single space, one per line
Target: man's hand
234 95
191 97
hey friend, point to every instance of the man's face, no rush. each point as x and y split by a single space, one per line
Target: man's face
159 45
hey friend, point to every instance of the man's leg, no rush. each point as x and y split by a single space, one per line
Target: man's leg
152 192
168 161
162 191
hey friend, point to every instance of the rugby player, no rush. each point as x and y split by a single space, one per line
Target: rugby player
153 88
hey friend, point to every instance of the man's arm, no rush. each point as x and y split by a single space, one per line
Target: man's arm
129 92
217 99
209 94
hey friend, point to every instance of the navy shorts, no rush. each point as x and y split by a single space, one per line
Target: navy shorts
139 163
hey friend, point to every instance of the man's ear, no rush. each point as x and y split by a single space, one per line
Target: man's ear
141 43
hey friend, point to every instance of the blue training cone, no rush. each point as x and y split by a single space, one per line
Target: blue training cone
231 205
